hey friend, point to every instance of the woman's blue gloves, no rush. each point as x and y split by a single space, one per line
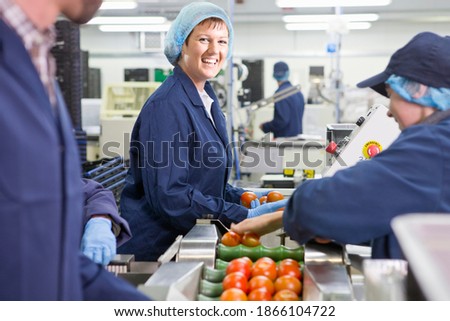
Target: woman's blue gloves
262 193
266 208
259 194
98 242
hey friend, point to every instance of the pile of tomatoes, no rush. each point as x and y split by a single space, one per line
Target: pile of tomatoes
249 239
262 280
248 196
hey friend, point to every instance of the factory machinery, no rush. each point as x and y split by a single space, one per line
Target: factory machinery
194 266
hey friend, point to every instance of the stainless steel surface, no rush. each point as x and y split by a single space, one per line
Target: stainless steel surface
136 273
174 281
199 244
385 279
172 251
424 239
323 253
326 282
327 273
354 257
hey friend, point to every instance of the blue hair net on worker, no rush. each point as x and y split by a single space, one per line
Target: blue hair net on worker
281 71
420 94
189 17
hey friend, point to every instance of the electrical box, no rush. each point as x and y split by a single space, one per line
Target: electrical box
126 99
371 135
121 106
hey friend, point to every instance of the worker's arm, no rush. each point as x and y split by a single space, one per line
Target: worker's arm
104 229
261 224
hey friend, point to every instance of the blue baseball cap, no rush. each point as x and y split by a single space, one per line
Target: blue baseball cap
424 59
281 71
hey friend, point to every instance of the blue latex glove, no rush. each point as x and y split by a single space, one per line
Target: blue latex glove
98 242
255 203
266 208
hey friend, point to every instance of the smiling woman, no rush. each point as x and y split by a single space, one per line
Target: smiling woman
205 51
168 189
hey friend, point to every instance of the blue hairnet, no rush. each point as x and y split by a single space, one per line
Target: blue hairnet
281 71
418 93
189 17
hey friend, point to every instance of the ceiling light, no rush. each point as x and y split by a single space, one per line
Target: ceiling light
135 28
330 3
118 5
328 17
126 20
325 26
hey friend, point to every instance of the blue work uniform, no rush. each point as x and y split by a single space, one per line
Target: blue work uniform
180 163
41 195
357 204
287 116
98 200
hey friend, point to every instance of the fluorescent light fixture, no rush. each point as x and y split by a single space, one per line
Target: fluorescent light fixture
134 28
325 26
328 17
126 20
330 3
118 5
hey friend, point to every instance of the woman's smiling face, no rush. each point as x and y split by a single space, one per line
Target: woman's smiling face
204 51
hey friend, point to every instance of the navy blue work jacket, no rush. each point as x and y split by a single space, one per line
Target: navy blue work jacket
98 200
288 115
357 204
180 166
41 195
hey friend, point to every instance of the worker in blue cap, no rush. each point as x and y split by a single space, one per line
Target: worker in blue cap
288 114
412 175
180 155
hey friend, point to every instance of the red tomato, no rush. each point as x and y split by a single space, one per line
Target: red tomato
247 198
288 282
274 196
321 240
285 295
231 239
247 260
261 281
263 200
260 294
239 265
265 266
289 261
289 268
235 280
233 294
250 239
265 259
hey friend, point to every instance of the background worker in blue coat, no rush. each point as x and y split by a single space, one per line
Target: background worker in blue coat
412 175
180 156
41 191
288 113
104 228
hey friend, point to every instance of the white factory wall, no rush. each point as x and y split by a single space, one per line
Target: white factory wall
363 52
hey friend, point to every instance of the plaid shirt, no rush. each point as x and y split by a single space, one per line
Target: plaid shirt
37 42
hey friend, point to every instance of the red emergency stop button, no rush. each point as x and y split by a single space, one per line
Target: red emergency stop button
331 148
371 149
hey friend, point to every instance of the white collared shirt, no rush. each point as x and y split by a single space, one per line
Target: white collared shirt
207 103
